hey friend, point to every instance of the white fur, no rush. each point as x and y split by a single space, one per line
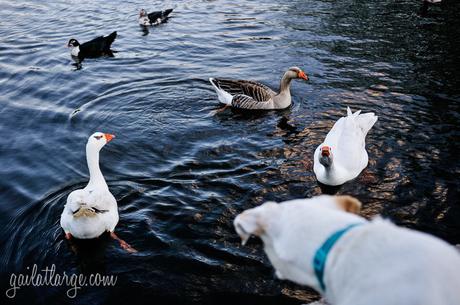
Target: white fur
223 96
376 263
347 140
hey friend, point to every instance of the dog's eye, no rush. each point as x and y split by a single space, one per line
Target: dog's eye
98 137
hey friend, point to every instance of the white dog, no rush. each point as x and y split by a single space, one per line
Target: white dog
322 243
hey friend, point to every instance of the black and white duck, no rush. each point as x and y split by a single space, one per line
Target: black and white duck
154 18
99 46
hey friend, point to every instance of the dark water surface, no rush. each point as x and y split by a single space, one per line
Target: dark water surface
180 171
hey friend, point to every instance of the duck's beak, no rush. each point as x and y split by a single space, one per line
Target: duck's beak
108 137
302 75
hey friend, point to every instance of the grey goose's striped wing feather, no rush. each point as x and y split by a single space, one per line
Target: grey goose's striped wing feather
246 94
246 102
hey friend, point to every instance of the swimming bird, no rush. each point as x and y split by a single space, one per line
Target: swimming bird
247 94
342 156
154 18
93 210
99 46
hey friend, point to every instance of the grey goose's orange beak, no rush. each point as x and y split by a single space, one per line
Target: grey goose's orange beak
302 75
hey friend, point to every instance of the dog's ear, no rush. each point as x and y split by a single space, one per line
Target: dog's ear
251 222
348 204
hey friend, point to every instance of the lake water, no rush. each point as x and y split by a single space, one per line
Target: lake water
180 170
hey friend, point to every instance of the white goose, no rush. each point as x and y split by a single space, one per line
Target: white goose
342 156
93 210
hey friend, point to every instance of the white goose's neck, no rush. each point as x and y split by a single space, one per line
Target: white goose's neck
96 179
329 169
335 174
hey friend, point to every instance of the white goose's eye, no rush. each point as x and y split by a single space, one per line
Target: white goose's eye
97 137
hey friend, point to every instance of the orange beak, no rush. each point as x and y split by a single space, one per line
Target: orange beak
325 151
302 75
108 137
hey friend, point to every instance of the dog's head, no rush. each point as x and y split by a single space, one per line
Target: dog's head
293 230
256 221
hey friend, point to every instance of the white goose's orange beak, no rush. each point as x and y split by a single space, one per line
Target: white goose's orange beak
325 151
302 75
108 137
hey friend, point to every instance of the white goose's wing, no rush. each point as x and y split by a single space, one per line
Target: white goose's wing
73 204
351 151
105 205
88 214
333 136
76 199
102 200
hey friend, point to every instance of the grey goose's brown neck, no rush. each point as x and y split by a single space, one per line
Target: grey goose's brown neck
285 84
283 98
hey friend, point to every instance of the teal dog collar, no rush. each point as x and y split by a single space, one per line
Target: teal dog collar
319 261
